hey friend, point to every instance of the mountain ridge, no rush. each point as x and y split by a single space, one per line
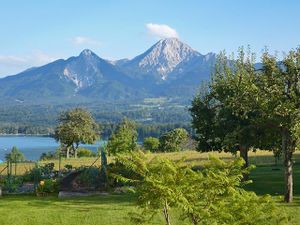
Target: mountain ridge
88 77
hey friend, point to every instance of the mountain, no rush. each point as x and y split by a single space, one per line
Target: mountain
80 78
169 68
168 59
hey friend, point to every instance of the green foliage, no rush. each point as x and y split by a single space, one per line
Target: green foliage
279 100
83 152
214 195
89 178
226 114
173 140
39 172
151 144
15 155
124 139
47 170
68 166
76 126
49 155
47 186
11 183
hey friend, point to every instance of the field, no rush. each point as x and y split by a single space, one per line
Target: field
113 209
191 157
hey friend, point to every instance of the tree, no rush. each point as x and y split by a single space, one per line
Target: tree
172 140
279 98
76 126
151 144
15 155
248 109
124 138
155 184
213 195
226 115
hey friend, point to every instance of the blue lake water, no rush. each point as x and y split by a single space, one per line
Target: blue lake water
33 146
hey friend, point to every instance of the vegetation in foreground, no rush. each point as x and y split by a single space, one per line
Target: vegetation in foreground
26 209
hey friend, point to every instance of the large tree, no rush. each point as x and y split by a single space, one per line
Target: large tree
76 126
279 97
123 139
225 115
252 109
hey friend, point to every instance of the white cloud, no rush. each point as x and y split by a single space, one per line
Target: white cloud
161 30
12 64
80 40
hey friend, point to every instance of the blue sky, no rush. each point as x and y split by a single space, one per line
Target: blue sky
34 32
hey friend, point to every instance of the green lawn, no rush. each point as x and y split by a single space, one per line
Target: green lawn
100 210
113 209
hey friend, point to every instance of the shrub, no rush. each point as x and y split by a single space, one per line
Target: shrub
39 172
35 174
89 178
83 152
48 170
68 167
49 155
151 144
11 183
47 186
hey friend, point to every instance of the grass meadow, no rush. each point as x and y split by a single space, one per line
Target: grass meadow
113 209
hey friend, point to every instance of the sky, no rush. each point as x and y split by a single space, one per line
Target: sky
34 32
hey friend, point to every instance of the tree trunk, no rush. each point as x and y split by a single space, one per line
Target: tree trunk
244 154
75 150
288 167
68 152
166 214
75 153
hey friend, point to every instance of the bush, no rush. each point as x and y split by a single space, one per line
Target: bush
83 152
47 186
33 175
48 170
151 144
11 183
90 177
68 167
49 155
39 172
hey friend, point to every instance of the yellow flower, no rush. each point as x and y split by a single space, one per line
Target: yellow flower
42 183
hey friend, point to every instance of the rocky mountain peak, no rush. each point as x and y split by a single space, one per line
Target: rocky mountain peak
87 53
163 57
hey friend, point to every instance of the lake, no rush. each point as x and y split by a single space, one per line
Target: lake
33 146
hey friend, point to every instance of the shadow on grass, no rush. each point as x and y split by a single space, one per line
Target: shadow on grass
80 203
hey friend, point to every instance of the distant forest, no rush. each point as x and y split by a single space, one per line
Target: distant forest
151 120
